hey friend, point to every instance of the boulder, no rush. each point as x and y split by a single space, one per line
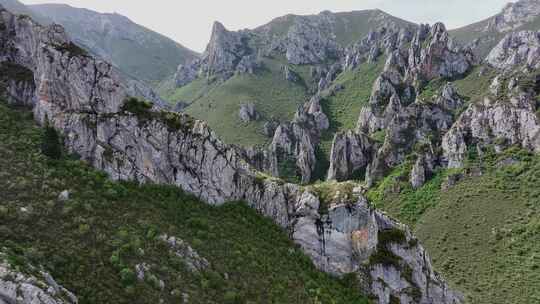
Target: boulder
248 113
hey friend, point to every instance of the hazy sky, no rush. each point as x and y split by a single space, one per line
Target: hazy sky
189 22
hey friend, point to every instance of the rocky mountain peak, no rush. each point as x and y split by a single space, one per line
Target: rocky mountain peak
225 52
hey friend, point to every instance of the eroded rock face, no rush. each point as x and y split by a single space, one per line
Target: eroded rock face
186 73
511 120
382 41
83 99
308 41
350 155
292 141
395 109
423 168
519 48
16 287
442 57
352 237
225 51
194 262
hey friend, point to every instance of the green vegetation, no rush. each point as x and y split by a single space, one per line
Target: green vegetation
72 49
384 255
343 108
92 242
334 192
287 169
483 233
475 85
431 90
191 92
143 110
16 72
51 145
218 104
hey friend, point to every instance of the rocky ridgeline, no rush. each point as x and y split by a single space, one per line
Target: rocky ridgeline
381 41
394 111
508 113
131 140
514 15
18 287
296 141
302 40
436 129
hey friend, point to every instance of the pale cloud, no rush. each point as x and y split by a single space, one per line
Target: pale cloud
189 22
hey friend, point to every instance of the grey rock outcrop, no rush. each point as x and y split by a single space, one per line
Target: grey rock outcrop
224 52
248 65
85 101
449 98
516 49
289 74
350 237
382 41
511 118
293 142
248 113
327 76
394 107
307 43
186 73
514 15
269 128
422 169
350 155
441 57
194 262
16 287
17 83
139 89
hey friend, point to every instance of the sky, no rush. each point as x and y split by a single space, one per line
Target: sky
190 22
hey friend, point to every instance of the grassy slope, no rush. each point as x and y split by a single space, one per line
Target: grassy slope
272 94
484 233
91 242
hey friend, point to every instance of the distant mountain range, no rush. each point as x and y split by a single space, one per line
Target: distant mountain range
137 51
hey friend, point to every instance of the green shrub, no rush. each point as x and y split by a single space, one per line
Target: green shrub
51 144
72 49
128 276
141 108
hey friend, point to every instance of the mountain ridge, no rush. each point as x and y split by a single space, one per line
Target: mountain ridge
139 52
